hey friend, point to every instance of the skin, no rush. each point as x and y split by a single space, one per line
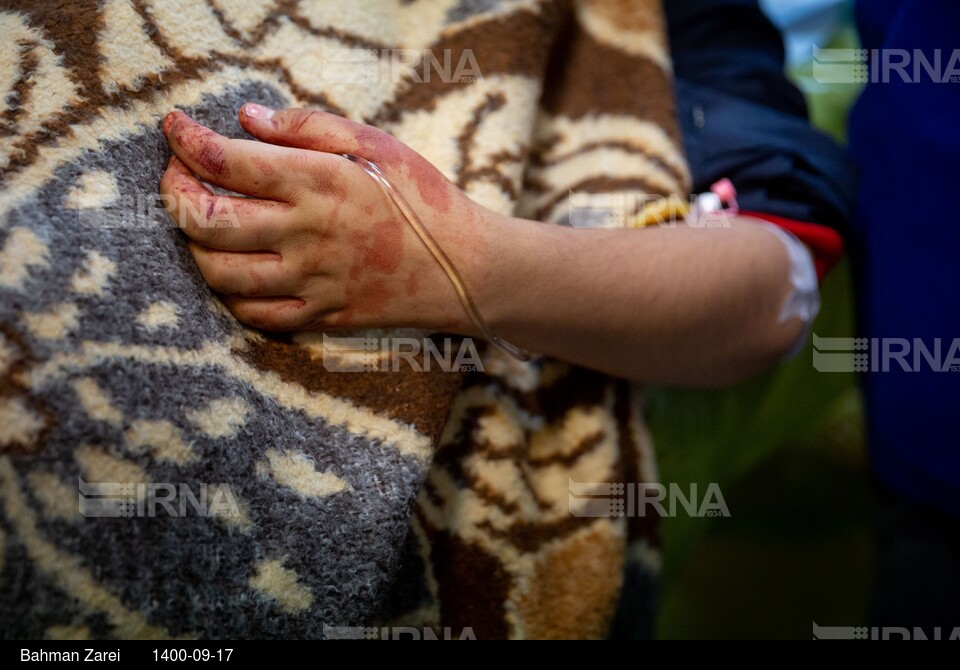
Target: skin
317 245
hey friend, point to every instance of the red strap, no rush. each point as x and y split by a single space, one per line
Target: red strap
825 243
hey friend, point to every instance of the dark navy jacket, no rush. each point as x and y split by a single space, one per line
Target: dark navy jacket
742 119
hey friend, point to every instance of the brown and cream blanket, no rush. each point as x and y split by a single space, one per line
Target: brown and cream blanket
304 500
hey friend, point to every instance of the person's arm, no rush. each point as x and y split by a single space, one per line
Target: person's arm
680 306
319 246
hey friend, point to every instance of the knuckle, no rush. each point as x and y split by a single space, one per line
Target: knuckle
326 178
295 191
221 217
311 264
301 162
302 118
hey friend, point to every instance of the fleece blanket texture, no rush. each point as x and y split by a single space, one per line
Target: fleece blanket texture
306 501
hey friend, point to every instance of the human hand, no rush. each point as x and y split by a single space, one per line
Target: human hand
317 244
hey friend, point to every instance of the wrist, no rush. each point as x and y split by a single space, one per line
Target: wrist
476 242
432 301
510 268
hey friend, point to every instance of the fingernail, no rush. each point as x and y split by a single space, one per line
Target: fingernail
254 111
168 122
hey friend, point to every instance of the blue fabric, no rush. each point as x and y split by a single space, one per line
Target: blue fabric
906 141
742 119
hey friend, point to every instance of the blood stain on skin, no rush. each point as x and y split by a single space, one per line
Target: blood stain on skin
387 250
263 165
299 123
380 250
168 122
376 298
211 158
188 188
432 186
326 180
367 302
379 146
259 283
388 151
227 211
338 198
200 143
412 285
358 242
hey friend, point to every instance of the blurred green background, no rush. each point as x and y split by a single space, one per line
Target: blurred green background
788 453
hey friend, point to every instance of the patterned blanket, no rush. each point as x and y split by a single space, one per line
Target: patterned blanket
166 472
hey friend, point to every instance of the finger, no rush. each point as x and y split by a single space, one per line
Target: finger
329 134
217 221
277 314
243 166
320 131
251 274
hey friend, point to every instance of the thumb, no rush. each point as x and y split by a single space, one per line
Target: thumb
314 130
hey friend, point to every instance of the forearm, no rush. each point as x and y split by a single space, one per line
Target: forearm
318 246
691 307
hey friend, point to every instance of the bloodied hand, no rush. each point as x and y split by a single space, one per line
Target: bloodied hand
311 241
